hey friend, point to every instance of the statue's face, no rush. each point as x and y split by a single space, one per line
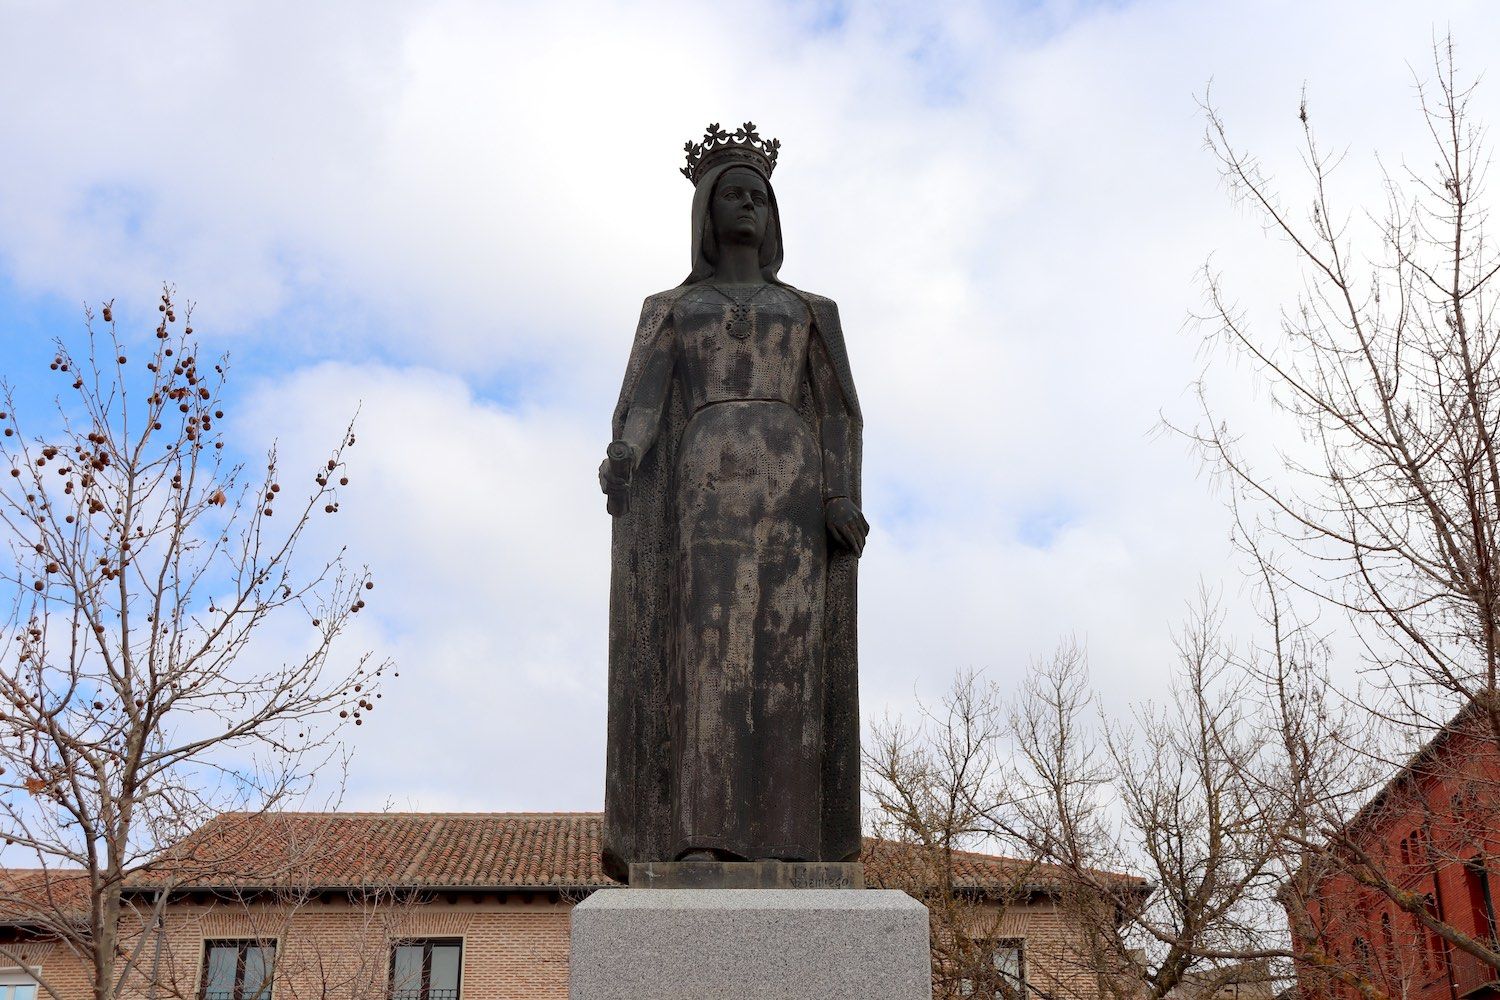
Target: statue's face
741 207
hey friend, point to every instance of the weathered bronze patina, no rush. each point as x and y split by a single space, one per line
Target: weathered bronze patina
734 479
747 875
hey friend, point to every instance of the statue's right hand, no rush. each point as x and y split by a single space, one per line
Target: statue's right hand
614 476
609 482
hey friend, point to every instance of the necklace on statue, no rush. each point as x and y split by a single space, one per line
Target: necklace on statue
737 322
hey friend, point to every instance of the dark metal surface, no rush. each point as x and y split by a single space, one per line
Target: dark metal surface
747 875
618 455
743 145
733 718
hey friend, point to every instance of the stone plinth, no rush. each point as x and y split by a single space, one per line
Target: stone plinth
747 875
749 944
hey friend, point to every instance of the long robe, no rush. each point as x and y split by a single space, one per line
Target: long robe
645 703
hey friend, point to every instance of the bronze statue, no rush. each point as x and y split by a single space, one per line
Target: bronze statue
734 481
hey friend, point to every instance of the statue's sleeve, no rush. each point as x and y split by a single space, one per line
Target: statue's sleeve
637 790
833 419
649 331
643 412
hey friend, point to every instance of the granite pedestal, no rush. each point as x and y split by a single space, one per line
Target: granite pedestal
750 944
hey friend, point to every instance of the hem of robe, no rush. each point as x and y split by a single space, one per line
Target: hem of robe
737 848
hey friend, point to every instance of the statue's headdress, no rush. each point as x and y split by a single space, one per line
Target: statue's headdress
743 145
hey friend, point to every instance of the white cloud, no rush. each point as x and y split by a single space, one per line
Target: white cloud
483 528
1010 208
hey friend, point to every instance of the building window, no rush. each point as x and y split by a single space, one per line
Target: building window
1364 959
426 970
1008 981
1388 948
1010 962
238 970
17 985
1477 881
1429 945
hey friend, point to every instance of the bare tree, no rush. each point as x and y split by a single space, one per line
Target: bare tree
979 772
1168 794
1264 801
143 564
1388 364
1388 514
924 781
1192 797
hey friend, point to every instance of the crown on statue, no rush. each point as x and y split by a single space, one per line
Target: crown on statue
743 145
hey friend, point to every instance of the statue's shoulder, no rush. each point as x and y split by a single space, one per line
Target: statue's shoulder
824 309
655 308
816 299
664 298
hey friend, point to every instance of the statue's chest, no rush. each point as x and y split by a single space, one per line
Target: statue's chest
751 348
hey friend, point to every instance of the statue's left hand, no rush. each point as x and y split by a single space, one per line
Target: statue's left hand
846 523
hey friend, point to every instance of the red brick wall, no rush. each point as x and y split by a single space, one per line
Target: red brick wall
1420 834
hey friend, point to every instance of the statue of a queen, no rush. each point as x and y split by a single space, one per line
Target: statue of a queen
734 481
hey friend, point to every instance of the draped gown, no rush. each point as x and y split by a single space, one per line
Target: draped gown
751 478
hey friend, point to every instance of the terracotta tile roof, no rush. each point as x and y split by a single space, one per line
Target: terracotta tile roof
54 893
406 850
890 863
347 850
470 850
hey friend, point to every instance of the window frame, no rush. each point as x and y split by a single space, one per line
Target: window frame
12 976
1481 902
424 991
242 945
1020 984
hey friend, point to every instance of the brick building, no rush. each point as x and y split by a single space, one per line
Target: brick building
1433 831
419 906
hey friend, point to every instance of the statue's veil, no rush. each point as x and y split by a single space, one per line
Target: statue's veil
703 227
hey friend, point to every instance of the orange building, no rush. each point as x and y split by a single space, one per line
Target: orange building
412 906
1432 831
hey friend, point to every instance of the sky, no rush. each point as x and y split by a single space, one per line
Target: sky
443 216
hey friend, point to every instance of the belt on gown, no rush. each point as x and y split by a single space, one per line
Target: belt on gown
740 399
